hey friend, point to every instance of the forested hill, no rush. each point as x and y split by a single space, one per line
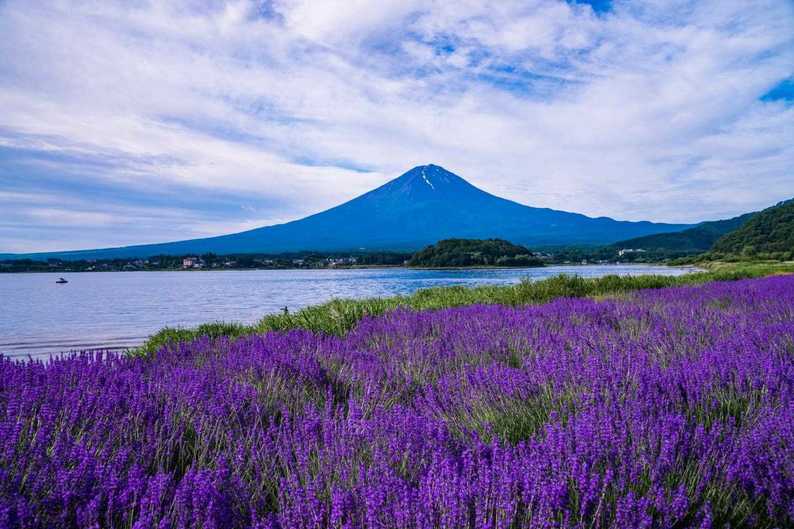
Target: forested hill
697 239
474 252
769 234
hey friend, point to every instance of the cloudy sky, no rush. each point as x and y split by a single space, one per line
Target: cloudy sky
144 121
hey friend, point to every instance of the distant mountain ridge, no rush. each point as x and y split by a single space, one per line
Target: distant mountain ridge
692 240
424 205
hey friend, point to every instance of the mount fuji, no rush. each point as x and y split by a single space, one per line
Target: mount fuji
424 205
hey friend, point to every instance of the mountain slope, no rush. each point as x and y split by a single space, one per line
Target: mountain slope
693 240
770 232
424 205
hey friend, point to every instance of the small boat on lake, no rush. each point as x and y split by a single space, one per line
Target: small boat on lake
61 281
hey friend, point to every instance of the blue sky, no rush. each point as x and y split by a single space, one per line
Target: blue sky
128 122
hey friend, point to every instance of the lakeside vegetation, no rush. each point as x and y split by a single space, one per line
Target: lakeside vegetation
210 261
342 260
338 316
499 254
319 260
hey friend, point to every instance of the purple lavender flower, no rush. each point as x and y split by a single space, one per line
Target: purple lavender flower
672 408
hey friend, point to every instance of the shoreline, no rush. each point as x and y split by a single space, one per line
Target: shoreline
359 267
314 288
338 316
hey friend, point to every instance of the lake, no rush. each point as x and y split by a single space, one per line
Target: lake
117 310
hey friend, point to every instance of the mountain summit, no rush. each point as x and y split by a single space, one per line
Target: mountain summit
425 180
420 207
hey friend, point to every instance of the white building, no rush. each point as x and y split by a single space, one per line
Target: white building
624 251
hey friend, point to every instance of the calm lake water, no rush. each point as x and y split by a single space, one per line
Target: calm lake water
116 310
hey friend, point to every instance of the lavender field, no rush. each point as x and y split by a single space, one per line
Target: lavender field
668 408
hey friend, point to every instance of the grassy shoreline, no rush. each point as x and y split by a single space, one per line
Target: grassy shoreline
340 315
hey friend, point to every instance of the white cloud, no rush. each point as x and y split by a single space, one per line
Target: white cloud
338 22
651 111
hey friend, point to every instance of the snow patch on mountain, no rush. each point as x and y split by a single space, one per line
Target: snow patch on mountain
427 181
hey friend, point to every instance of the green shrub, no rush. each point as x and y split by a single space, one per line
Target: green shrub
170 336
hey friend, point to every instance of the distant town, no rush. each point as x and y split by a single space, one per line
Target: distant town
305 260
210 261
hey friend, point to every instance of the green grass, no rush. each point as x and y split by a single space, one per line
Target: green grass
172 335
341 315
